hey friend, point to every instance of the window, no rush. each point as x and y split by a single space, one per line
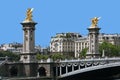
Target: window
107 38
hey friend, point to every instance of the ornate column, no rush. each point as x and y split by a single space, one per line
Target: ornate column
28 55
93 39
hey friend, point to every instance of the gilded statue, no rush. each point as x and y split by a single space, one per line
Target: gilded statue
29 14
95 21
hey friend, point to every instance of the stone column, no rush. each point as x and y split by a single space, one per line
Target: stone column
93 39
28 56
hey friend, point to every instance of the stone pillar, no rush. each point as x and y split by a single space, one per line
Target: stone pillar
30 69
93 42
93 39
28 56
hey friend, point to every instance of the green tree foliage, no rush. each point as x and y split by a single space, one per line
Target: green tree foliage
110 50
13 56
83 53
57 56
40 56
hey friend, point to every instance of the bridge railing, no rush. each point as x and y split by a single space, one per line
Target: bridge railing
91 59
66 66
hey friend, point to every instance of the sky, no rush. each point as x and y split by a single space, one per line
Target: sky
57 16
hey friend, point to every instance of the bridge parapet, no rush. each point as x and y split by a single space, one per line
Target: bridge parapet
66 66
92 59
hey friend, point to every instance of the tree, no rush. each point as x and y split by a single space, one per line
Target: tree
57 56
40 56
83 53
110 50
13 56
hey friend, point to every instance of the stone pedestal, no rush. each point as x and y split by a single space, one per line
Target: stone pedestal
28 55
93 42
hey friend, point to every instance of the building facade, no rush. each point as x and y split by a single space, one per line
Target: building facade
80 44
76 45
83 42
64 43
111 38
12 47
17 47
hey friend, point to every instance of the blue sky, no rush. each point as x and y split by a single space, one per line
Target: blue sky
56 16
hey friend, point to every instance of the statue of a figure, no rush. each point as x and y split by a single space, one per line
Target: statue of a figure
29 14
95 21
